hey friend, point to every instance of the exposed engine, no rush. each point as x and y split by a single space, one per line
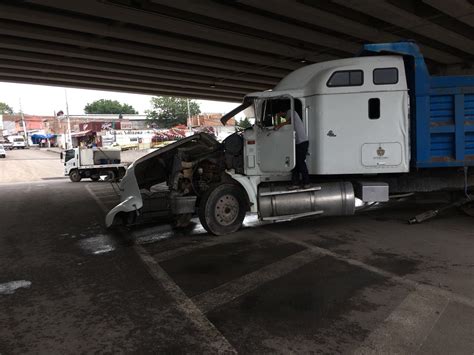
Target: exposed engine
188 168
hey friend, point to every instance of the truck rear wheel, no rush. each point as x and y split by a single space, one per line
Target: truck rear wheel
75 176
111 175
222 209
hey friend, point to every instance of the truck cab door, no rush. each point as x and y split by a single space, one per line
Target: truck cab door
275 147
70 160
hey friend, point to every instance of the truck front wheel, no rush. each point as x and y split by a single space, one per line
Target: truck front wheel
222 209
75 176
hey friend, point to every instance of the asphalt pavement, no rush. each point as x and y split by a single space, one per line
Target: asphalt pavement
370 283
24 165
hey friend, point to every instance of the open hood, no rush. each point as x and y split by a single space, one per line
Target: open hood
235 111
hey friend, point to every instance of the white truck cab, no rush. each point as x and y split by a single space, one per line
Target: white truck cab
355 125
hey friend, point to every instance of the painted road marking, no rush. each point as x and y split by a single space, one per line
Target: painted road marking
9 288
393 277
217 340
405 330
233 289
209 331
98 200
198 245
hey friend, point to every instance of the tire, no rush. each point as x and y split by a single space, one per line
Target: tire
182 220
128 218
75 176
468 209
121 173
95 178
111 175
222 209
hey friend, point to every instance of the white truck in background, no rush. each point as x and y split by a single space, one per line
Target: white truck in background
93 163
17 142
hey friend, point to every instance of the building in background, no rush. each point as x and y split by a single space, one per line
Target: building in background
211 123
127 131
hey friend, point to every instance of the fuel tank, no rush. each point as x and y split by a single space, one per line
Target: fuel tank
330 199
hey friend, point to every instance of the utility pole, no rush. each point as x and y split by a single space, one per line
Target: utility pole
189 116
24 125
69 138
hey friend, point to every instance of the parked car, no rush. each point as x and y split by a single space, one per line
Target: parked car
3 153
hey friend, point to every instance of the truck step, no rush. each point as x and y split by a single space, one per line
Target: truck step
290 217
285 192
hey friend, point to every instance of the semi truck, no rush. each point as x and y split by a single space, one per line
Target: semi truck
379 125
93 163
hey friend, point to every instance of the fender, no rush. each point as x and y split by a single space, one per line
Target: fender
250 185
131 199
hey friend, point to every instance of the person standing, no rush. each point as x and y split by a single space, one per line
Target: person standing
301 150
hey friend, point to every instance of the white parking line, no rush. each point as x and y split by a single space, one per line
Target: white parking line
183 303
198 245
97 199
394 277
215 337
405 330
233 289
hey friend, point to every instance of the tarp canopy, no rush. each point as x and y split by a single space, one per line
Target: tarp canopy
42 136
36 138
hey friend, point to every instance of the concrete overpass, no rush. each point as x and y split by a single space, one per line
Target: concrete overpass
215 49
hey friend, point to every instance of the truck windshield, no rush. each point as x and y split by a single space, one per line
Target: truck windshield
69 155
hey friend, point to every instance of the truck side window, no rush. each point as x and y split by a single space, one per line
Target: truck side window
69 155
270 110
385 76
374 108
346 78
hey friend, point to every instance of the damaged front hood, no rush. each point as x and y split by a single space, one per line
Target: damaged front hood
155 167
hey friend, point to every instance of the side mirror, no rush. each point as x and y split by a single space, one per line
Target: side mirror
61 156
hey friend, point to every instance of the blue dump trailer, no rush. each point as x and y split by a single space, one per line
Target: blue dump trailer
441 110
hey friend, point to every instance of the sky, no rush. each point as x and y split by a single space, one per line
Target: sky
45 100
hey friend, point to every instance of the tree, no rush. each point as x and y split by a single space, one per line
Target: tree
171 111
5 109
109 106
244 123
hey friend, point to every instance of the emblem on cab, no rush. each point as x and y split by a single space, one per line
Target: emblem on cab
380 152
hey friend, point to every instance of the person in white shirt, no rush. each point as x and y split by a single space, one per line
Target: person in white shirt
301 150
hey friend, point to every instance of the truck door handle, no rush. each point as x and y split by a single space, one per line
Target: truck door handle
287 161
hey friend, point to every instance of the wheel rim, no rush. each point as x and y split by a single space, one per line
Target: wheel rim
227 210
